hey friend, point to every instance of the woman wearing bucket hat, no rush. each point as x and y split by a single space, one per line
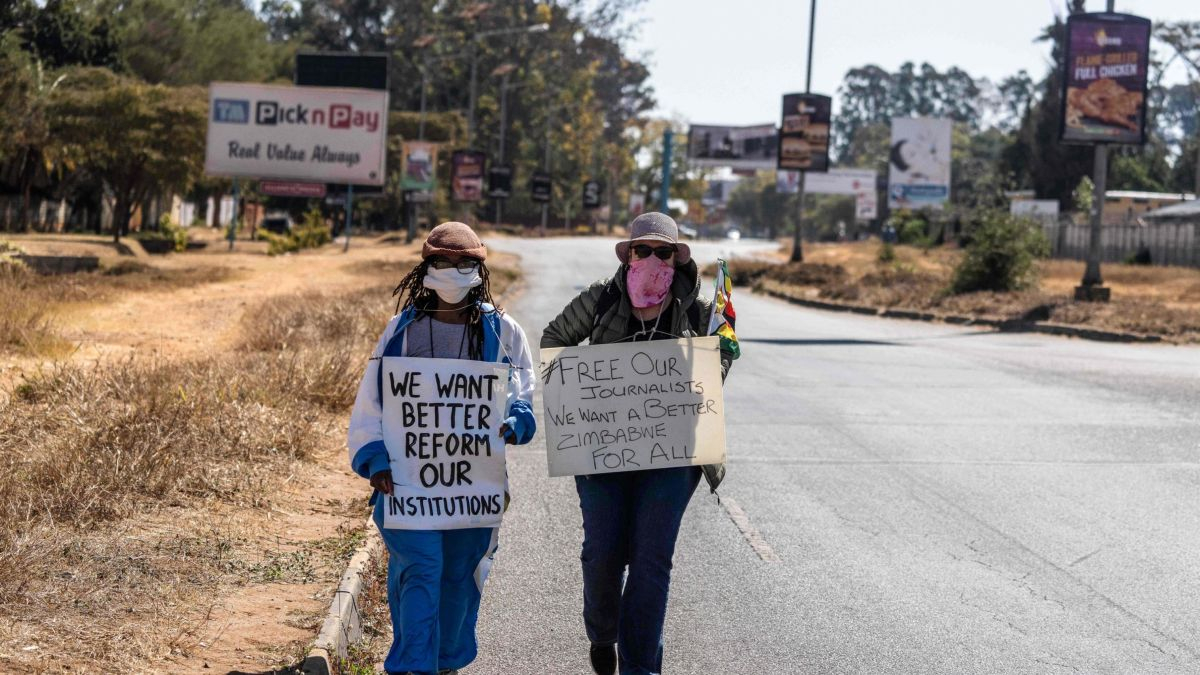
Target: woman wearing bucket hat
631 519
435 577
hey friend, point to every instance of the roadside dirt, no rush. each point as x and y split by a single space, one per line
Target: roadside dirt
1149 300
287 551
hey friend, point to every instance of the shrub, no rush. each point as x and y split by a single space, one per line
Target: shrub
8 256
741 272
312 233
911 228
807 274
887 253
167 231
1001 255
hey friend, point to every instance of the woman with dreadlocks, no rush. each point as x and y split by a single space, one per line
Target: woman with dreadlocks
435 577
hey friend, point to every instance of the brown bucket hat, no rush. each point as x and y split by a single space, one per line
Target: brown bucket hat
454 238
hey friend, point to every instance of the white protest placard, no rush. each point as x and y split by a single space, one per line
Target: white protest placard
441 426
633 406
319 134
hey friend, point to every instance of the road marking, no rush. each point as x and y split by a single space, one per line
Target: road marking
749 532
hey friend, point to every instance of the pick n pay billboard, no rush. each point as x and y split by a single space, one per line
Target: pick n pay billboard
321 134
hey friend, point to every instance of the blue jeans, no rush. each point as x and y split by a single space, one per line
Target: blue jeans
434 584
631 519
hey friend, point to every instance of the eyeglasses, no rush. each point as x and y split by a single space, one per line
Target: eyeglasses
466 266
644 251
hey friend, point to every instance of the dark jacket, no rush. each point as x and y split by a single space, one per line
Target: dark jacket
578 322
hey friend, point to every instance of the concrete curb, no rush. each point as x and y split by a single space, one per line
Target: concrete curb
343 623
1004 325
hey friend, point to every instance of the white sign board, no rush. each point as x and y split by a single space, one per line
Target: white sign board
860 183
441 427
319 134
919 163
633 406
840 182
1035 208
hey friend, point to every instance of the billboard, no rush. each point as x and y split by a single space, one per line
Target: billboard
466 175
500 181
860 183
1107 59
297 133
591 194
540 187
420 166
803 139
751 147
919 163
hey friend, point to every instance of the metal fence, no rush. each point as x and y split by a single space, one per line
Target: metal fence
1170 243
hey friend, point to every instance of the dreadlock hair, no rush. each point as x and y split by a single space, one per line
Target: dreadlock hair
411 293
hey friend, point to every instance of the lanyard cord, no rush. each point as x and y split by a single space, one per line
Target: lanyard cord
658 318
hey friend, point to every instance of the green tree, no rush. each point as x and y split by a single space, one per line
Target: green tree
71 32
870 95
157 146
1037 159
181 42
686 183
29 152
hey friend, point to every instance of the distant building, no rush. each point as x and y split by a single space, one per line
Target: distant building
1121 206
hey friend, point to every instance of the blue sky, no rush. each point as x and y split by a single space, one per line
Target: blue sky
729 61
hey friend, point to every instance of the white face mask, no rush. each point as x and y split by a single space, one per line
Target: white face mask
450 284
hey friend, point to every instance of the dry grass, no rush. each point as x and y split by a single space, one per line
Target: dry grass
1152 300
29 301
106 472
376 621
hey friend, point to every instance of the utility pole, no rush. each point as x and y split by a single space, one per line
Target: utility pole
664 192
797 234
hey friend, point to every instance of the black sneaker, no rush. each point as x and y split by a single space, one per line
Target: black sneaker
604 659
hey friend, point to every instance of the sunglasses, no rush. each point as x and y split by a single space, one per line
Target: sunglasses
464 266
644 251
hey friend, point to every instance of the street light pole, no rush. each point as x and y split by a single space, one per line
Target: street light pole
471 108
797 234
503 127
546 169
475 39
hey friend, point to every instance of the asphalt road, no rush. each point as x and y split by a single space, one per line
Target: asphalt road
927 498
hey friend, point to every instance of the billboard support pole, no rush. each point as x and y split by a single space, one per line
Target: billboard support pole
797 251
1092 288
233 221
349 215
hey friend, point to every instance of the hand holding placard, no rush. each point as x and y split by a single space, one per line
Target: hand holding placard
633 406
441 426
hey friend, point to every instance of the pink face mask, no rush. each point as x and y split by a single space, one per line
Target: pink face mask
649 281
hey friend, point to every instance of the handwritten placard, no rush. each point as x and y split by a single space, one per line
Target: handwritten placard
633 406
441 422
